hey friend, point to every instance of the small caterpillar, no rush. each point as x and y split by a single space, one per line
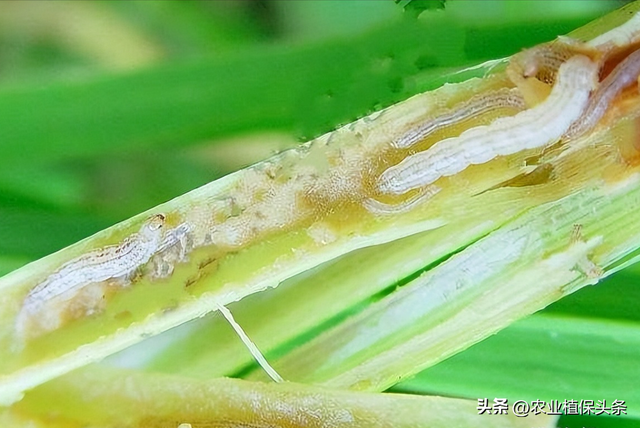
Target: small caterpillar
622 76
110 262
476 106
532 128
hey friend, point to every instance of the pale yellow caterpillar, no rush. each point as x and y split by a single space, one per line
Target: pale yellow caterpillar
476 106
44 303
532 128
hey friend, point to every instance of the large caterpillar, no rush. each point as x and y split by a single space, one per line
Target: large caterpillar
476 106
532 128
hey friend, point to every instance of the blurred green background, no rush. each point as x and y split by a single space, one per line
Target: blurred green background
108 108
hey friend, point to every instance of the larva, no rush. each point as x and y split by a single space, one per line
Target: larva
535 127
476 106
114 261
624 75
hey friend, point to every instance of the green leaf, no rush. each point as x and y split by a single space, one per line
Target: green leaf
130 399
416 7
544 357
374 338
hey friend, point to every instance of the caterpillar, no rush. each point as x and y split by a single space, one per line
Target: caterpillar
532 128
476 106
44 303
